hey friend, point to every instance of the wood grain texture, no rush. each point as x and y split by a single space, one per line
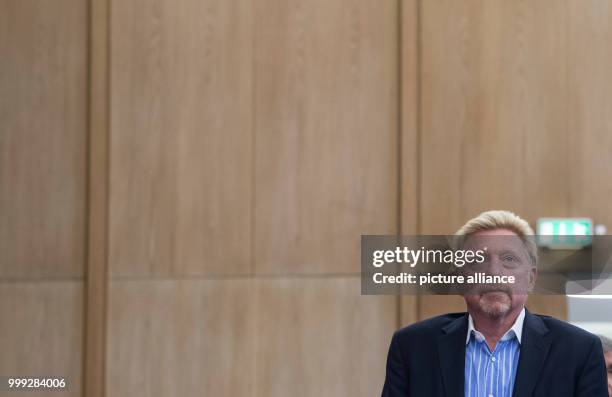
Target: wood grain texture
434 305
326 125
42 331
43 132
494 114
249 337
409 310
322 335
590 98
98 169
409 117
549 305
410 138
183 338
181 137
494 110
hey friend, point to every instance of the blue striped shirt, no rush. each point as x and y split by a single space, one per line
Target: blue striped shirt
492 373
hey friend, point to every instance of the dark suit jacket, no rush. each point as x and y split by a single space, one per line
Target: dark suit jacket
427 359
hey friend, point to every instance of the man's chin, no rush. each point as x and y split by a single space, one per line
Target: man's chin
495 303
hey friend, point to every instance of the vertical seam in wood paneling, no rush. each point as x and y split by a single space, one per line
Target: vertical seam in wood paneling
409 37
569 205
400 123
253 207
419 115
399 142
418 132
85 309
96 250
253 286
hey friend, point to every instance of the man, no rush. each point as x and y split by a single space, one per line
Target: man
607 350
498 348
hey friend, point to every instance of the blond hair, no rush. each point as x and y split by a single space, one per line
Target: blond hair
499 219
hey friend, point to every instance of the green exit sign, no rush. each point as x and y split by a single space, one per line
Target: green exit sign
565 233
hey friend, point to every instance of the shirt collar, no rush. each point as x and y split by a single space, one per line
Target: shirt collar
515 330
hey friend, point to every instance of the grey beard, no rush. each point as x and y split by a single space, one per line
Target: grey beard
495 309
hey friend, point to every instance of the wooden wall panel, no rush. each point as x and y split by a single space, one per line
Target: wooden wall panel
42 333
181 137
183 338
96 283
409 162
320 337
590 99
326 122
239 337
494 131
43 126
550 305
433 305
43 137
494 110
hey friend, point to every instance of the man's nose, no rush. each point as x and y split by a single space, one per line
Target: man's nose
495 267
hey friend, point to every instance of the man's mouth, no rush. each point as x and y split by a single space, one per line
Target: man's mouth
494 291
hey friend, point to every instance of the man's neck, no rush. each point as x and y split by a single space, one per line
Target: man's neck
494 328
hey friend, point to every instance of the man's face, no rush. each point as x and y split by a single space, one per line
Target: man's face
504 255
608 357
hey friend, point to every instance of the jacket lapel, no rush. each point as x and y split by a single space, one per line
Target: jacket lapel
451 350
535 345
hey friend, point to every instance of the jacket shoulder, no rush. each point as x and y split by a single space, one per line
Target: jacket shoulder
563 330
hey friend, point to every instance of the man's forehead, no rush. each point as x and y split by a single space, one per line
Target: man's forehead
494 240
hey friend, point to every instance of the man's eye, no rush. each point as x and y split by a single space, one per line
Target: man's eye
509 258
